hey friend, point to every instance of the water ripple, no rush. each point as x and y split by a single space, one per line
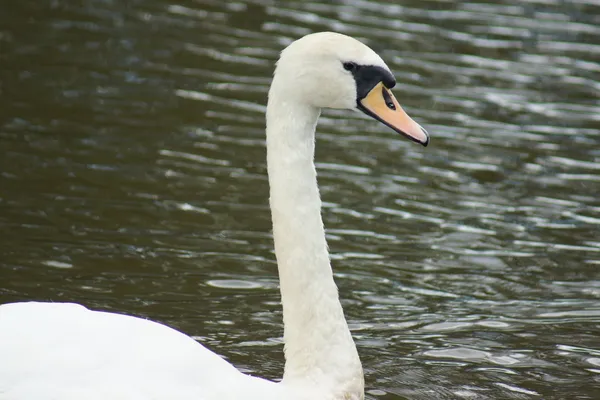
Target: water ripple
133 172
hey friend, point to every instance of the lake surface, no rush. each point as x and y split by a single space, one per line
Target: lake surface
133 179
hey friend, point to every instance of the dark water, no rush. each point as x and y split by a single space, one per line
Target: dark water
132 178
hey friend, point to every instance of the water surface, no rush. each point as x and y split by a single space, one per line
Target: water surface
133 179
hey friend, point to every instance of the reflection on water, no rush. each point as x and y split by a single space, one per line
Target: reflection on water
133 178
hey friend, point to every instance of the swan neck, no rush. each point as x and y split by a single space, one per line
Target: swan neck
318 343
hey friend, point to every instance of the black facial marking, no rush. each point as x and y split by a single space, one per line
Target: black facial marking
367 76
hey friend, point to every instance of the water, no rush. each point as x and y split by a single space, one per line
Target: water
133 179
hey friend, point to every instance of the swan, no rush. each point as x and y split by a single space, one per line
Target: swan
64 351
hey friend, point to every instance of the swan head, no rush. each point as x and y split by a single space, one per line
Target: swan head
331 70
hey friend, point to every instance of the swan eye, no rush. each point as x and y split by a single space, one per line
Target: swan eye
349 66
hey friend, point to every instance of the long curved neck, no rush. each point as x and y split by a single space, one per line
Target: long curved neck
318 344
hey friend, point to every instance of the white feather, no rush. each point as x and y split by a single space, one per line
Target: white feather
58 351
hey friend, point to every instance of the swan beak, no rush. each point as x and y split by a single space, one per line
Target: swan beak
381 104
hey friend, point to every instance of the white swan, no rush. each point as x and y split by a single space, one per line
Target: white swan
67 352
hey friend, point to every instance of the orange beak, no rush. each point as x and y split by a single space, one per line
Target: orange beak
381 104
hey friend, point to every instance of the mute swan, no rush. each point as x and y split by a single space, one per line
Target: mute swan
66 352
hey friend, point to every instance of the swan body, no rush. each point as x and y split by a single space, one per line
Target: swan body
63 351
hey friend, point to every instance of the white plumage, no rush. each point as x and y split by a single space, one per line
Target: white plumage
58 351
64 351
